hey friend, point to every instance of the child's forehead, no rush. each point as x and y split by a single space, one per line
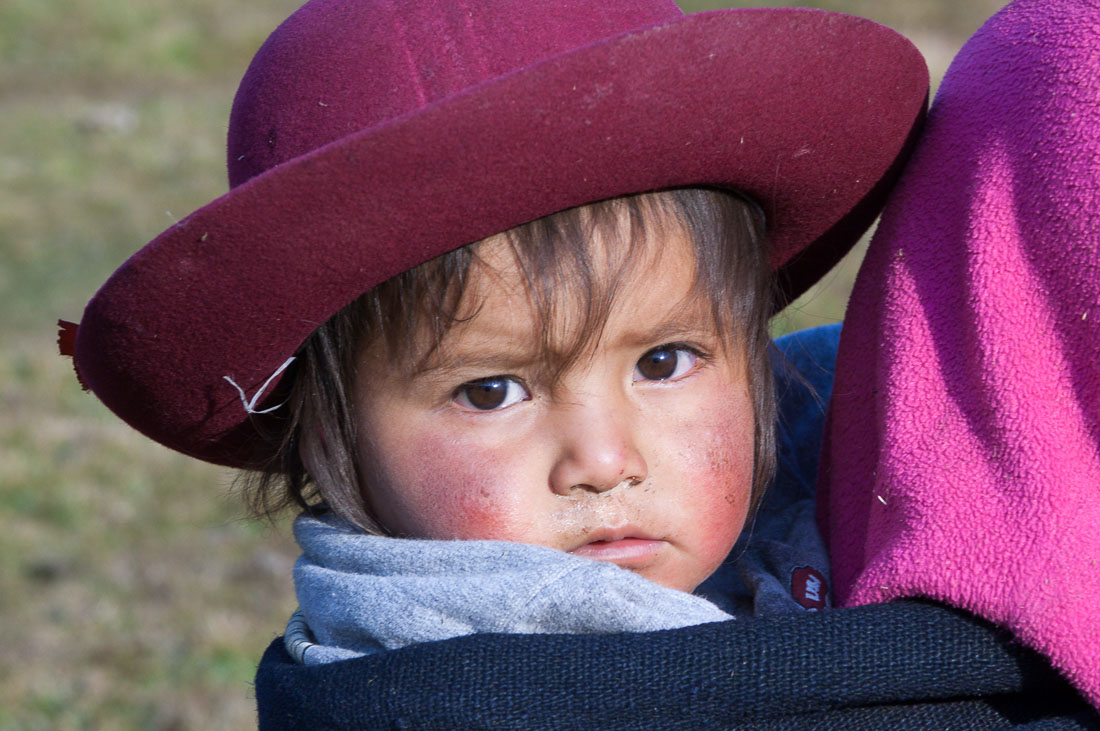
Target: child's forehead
616 244
635 294
559 283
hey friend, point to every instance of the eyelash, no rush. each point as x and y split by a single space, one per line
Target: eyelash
510 397
515 391
699 357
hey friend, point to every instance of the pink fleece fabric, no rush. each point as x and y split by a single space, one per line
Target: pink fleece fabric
962 455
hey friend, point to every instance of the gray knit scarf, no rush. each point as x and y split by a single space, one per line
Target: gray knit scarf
361 594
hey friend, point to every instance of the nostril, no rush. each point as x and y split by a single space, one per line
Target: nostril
625 482
592 461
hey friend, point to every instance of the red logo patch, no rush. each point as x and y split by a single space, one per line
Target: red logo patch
808 587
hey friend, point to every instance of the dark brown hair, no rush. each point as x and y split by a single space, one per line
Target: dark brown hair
554 255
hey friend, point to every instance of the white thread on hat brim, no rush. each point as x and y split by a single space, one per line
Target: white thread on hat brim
250 404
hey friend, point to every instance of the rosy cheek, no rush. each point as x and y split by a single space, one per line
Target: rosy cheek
724 511
723 466
452 491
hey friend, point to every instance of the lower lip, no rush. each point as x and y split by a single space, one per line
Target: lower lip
627 552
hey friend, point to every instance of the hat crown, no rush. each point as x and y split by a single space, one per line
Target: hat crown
335 67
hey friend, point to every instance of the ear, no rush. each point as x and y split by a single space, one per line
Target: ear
328 461
313 451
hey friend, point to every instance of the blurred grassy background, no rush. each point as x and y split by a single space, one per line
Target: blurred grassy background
133 591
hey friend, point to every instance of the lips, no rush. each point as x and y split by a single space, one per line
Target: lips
628 548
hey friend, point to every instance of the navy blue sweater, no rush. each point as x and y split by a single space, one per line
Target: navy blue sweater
902 665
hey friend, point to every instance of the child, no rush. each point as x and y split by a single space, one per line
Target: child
438 301
591 382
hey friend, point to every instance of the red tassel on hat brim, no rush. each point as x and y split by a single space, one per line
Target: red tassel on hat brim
66 346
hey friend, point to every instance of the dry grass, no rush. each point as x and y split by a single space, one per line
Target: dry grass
132 591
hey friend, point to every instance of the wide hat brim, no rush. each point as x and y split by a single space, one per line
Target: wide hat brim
810 113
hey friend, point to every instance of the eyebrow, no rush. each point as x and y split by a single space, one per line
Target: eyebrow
497 360
508 350
684 325
500 350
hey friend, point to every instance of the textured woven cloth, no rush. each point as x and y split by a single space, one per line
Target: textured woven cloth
362 594
963 454
903 665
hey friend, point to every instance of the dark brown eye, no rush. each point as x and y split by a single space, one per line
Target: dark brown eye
487 394
663 363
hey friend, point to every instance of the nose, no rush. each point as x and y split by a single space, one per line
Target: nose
598 451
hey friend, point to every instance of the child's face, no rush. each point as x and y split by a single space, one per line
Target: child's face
641 453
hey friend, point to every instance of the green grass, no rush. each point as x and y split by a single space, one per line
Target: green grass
952 20
134 594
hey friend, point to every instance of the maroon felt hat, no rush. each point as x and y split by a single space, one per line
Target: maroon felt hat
369 136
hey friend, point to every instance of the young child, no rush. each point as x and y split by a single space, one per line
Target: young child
502 273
